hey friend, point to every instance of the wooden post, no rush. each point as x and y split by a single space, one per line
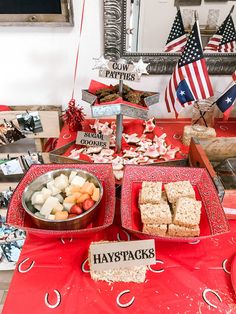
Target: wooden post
119 130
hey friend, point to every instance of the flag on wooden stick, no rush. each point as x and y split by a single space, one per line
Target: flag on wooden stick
224 40
226 101
234 76
177 37
192 70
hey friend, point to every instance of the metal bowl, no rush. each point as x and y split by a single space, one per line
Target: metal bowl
78 222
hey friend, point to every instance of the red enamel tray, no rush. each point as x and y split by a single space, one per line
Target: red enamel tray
233 274
19 218
213 219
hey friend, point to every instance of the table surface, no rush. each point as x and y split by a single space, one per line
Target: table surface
184 273
207 250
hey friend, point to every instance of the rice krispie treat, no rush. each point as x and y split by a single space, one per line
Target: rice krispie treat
175 190
187 212
156 213
151 192
155 229
181 231
134 274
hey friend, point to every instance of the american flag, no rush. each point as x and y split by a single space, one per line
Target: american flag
224 40
177 37
192 68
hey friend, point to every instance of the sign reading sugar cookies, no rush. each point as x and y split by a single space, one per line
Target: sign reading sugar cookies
112 255
120 71
92 139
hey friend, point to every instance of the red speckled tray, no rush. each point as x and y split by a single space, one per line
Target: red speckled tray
213 220
19 218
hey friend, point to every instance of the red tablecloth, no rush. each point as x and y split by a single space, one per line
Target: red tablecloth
185 272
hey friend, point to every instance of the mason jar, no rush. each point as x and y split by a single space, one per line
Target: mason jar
202 115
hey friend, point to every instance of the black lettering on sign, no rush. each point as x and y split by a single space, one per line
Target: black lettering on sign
97 259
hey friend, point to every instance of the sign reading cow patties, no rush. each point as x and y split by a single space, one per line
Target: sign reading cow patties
113 255
92 139
120 71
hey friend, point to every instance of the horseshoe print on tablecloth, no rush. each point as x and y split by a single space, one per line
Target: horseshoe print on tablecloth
126 233
83 266
204 296
127 304
53 306
194 242
22 271
63 241
158 261
224 266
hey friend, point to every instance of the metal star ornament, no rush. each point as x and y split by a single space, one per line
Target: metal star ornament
140 67
101 63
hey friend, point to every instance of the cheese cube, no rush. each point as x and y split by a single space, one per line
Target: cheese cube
78 181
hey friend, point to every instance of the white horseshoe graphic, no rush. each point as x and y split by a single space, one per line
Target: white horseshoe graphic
124 304
66 136
224 266
156 270
53 306
22 271
194 242
62 240
177 136
83 266
128 236
207 301
223 128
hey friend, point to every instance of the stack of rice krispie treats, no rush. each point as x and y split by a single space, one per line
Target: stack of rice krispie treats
173 212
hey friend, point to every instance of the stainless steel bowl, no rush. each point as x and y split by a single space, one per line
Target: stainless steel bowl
78 222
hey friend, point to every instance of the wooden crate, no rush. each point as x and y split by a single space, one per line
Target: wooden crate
206 153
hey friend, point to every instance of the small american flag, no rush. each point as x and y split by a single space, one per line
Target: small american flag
192 68
177 37
224 40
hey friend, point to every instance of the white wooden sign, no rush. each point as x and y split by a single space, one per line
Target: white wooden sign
120 71
113 255
92 139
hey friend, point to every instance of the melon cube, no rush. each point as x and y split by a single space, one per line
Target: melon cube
96 194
